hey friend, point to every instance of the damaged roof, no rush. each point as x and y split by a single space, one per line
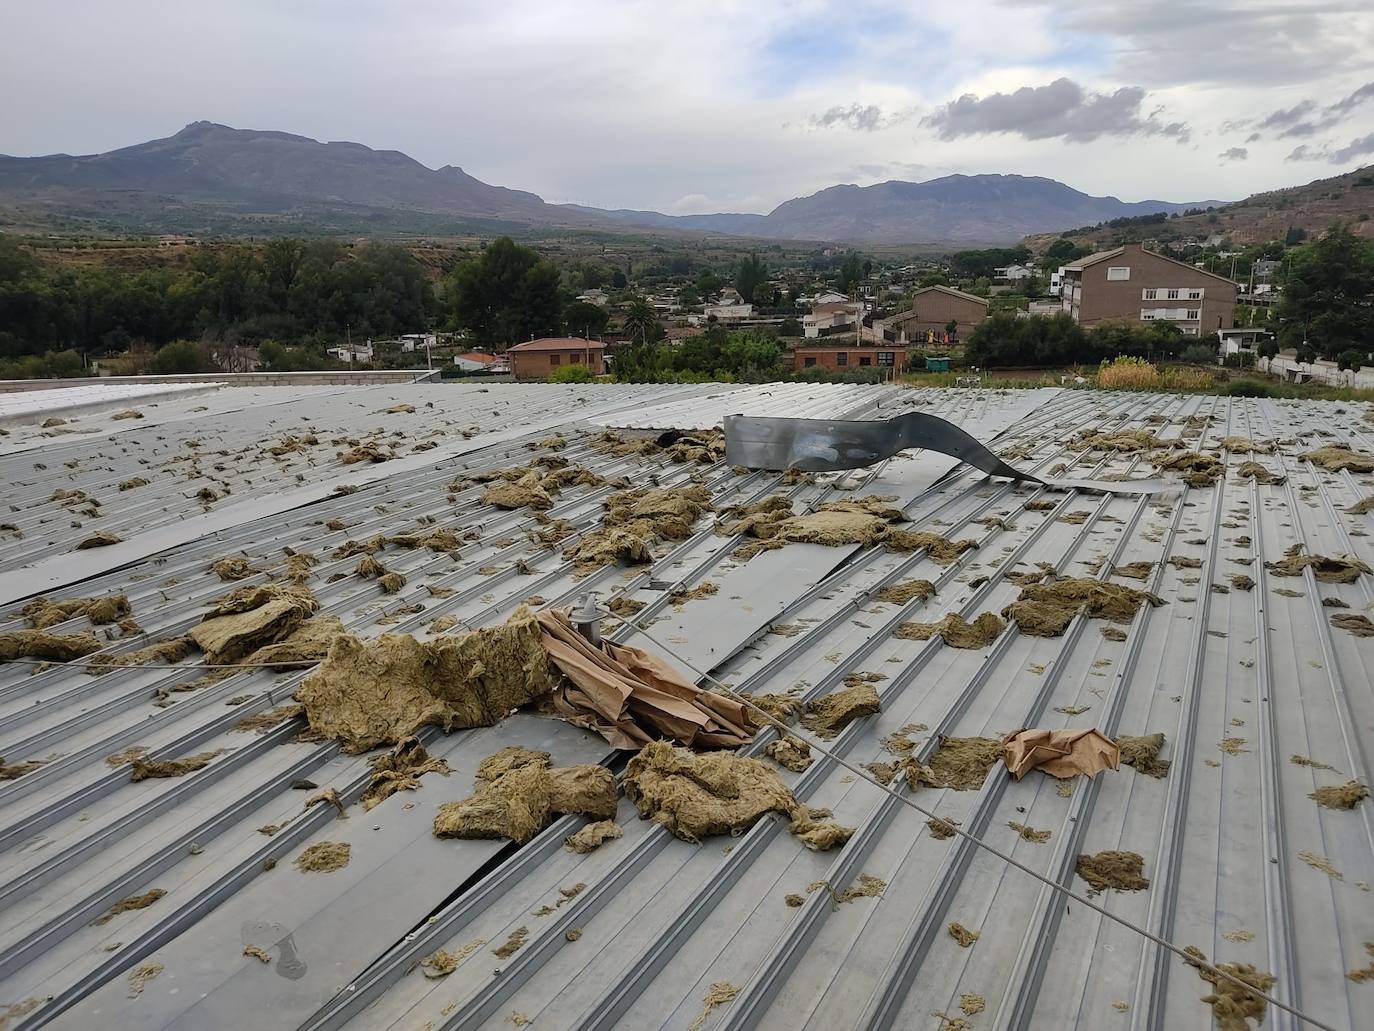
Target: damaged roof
152 901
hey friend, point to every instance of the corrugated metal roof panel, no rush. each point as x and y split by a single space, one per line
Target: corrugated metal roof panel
1241 862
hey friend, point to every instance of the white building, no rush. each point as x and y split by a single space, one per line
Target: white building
353 353
728 312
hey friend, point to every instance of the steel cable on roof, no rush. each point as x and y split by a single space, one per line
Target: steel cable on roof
866 775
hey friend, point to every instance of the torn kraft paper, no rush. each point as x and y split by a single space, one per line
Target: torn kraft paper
631 697
1060 753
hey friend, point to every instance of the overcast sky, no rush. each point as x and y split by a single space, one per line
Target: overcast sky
720 105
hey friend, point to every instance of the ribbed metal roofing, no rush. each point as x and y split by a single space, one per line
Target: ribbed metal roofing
1241 862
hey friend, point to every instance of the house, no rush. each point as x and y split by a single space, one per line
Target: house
730 296
475 361
417 341
594 296
841 358
829 297
728 311
351 353
1267 267
831 317
1057 281
932 309
1131 283
539 359
1012 273
1241 340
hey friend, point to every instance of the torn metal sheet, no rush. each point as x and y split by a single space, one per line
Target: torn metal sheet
828 445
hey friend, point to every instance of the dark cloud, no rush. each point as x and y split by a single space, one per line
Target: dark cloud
1234 154
1302 153
1365 92
1253 137
1063 109
860 118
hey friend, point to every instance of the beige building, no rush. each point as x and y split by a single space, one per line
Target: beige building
932 309
1137 285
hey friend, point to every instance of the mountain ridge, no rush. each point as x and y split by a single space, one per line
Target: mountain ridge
262 176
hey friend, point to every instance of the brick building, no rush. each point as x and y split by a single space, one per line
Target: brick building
539 359
1137 285
932 309
840 358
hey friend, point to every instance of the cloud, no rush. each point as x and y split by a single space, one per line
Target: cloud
1062 109
1295 123
1234 154
860 118
1253 137
1354 149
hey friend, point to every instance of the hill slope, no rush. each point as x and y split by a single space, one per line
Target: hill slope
1259 218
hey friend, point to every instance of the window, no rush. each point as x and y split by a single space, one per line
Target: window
1172 295
1193 314
1194 295
809 362
841 357
555 359
1118 273
1147 315
885 357
1148 295
1190 331
865 360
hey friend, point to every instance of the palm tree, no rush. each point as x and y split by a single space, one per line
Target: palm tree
641 320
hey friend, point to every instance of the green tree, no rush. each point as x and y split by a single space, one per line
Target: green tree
506 295
1328 295
180 357
1060 251
851 274
641 321
751 276
708 284
583 319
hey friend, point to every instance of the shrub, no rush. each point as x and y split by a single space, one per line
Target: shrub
1199 354
180 357
1351 358
572 374
1128 373
1186 379
1249 388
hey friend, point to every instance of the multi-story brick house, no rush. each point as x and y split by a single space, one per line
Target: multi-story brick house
1131 283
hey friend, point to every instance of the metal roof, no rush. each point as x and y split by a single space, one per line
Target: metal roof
661 920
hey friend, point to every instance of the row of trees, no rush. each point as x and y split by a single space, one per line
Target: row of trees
717 354
288 290
1327 303
1005 340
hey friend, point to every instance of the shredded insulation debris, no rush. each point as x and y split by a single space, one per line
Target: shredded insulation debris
42 613
593 836
721 993
1339 458
148 769
906 590
131 903
381 691
324 857
866 522
1045 610
518 793
955 632
400 770
1142 754
789 752
101 539
962 934
1340 796
697 795
637 519
1123 441
1260 474
1356 624
827 716
1327 570
961 763
1233 1006
39 644
249 618
1197 469
1124 871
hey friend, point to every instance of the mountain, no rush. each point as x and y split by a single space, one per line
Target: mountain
208 169
954 209
213 179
